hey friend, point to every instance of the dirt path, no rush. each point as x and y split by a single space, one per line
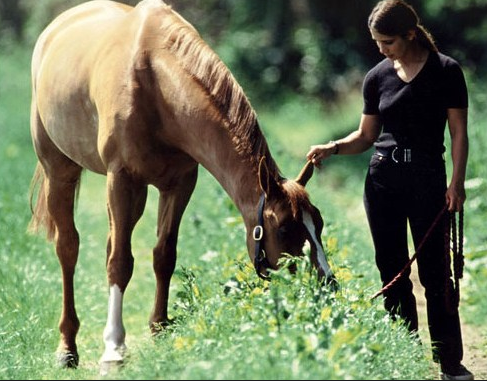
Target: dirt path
474 340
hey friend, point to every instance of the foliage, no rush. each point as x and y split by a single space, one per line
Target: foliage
310 47
290 328
476 205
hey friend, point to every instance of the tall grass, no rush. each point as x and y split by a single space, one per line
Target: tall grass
228 324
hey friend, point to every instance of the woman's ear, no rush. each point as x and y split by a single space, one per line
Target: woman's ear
411 35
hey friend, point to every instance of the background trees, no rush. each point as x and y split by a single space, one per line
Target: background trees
312 47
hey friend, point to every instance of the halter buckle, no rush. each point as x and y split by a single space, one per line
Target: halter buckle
258 233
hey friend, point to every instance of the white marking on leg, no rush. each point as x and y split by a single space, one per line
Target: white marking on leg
320 253
114 332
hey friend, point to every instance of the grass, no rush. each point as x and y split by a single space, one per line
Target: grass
229 323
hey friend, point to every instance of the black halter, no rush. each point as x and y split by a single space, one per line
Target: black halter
260 259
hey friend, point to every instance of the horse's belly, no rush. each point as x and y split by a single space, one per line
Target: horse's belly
73 128
78 142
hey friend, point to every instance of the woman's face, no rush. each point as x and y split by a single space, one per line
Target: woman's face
393 47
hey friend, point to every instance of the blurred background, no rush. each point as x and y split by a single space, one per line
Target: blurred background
311 47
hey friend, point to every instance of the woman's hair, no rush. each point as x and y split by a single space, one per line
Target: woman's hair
397 18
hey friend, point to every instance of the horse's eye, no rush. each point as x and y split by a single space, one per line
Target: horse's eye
286 230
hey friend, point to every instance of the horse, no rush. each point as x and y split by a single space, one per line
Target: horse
136 94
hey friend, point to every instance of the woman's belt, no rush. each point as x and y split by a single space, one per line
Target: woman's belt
408 155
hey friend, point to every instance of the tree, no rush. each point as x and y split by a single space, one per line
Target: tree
12 17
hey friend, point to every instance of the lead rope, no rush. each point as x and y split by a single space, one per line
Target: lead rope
458 257
457 249
425 238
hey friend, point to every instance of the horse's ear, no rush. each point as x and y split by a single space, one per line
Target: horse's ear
267 183
305 173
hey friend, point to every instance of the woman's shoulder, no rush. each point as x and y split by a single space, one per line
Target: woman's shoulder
446 61
379 69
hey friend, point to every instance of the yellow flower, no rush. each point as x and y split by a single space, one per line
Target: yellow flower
196 291
200 326
332 243
325 314
241 276
182 343
256 291
343 274
342 338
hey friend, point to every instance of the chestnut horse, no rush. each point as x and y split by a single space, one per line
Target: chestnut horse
135 94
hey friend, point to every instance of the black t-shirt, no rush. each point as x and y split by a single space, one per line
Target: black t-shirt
413 114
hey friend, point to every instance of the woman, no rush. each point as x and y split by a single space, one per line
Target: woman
408 98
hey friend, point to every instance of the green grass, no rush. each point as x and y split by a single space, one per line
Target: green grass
229 323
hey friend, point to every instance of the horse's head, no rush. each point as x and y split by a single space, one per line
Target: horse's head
286 219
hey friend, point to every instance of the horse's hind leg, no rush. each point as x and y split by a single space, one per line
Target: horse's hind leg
171 208
126 202
60 202
58 192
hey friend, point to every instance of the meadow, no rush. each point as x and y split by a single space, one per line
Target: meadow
228 323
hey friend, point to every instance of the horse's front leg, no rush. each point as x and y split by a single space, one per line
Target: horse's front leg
171 208
126 202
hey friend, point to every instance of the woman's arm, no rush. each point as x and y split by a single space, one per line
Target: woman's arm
357 142
457 122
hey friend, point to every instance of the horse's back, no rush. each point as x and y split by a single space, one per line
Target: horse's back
64 60
76 24
115 85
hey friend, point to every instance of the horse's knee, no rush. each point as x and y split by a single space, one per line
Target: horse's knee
120 269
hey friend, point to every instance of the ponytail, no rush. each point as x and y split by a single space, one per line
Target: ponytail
425 38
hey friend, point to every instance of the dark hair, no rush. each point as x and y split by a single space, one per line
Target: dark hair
397 18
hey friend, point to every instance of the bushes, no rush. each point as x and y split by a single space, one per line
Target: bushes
311 47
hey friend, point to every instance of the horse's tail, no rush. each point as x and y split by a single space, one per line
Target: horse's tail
41 217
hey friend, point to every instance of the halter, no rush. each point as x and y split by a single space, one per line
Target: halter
258 235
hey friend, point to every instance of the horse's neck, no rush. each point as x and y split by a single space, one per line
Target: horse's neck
203 111
239 179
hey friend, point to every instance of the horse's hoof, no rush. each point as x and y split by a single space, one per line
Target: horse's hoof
158 328
110 367
113 359
67 360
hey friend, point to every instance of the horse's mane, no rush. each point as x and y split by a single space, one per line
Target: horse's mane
297 196
227 96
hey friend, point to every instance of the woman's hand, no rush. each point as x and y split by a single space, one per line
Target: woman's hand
317 153
356 142
455 196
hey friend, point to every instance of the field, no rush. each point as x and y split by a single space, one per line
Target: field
229 324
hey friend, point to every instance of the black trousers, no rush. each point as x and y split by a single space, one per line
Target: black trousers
414 192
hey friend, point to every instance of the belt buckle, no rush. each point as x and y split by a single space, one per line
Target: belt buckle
406 155
393 155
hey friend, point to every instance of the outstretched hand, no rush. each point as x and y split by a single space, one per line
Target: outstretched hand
320 152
